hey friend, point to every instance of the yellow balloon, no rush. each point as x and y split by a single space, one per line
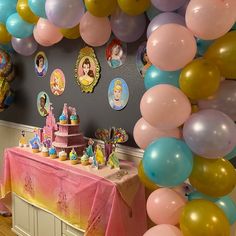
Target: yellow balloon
72 33
134 7
144 179
101 8
223 53
213 177
203 218
5 37
25 12
200 79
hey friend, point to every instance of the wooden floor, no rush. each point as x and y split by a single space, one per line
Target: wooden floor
5 226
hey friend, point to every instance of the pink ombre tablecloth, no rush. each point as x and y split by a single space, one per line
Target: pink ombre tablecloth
102 202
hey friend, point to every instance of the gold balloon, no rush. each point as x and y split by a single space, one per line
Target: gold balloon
25 12
72 33
134 7
213 177
200 79
144 179
203 218
5 37
223 53
101 8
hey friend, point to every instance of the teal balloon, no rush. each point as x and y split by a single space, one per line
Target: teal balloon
226 204
38 7
152 12
7 7
168 161
234 27
231 155
155 76
17 27
203 45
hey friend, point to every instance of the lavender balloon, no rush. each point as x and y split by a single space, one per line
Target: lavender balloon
25 46
128 28
64 14
182 10
224 100
210 134
168 5
164 18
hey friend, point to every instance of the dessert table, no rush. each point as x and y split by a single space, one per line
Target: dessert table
104 202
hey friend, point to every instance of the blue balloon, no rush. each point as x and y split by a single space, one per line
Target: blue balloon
17 27
168 161
155 76
152 12
203 45
231 155
38 7
7 7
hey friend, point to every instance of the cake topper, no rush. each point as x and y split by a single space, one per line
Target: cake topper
23 141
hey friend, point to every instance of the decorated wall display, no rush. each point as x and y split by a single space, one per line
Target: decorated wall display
142 61
57 82
43 103
118 94
116 52
87 70
41 64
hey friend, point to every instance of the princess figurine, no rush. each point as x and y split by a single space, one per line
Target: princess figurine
89 149
113 161
95 162
99 155
22 141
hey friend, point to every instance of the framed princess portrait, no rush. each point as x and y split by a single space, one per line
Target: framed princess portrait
118 94
87 70
41 64
43 103
57 82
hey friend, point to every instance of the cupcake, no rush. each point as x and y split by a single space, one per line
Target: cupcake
52 152
63 119
62 155
45 151
74 119
73 157
85 159
35 148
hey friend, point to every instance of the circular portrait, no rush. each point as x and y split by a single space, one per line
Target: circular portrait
41 64
57 82
43 103
118 94
116 52
142 60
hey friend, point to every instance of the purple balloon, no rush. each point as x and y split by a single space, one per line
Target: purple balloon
210 133
25 46
182 10
128 28
168 5
224 100
64 13
164 18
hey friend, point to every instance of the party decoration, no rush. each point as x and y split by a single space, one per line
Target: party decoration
215 178
168 161
87 70
152 12
39 40
95 31
164 5
202 46
25 47
101 8
144 133
64 14
155 76
164 206
231 155
182 10
171 47
165 107
6 94
5 64
224 100
71 33
210 133
164 229
41 64
7 8
200 79
118 94
133 7
164 18
210 20
127 28
57 82
43 103
222 53
17 27
38 7
25 12
5 37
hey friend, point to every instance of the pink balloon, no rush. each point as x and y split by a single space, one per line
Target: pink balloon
164 206
210 19
95 31
165 107
144 133
39 40
163 230
47 32
171 47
